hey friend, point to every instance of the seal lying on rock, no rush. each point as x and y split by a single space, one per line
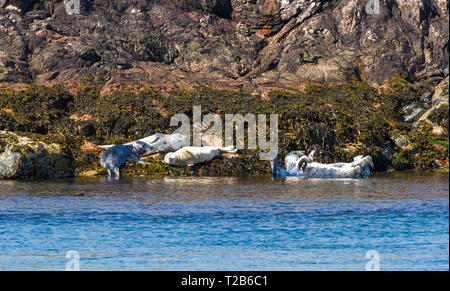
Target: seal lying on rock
189 156
290 161
358 169
114 158
160 142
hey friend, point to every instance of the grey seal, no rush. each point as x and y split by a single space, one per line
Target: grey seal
358 169
160 142
116 156
165 143
291 161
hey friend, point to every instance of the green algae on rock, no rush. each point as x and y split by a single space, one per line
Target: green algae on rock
22 157
340 121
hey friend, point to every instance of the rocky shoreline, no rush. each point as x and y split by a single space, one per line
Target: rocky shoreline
233 44
55 131
344 80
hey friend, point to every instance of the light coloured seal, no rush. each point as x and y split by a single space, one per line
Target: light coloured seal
358 169
290 161
161 143
189 156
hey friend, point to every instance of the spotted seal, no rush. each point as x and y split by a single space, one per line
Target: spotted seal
358 169
290 161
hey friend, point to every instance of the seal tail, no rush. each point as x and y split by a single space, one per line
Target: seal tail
106 146
229 149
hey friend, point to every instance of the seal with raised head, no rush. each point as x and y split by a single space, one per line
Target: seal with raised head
290 161
189 156
116 156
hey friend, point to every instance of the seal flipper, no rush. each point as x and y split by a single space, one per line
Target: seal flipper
273 168
228 149
117 172
192 154
277 171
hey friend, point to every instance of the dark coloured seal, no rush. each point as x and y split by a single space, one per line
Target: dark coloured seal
115 157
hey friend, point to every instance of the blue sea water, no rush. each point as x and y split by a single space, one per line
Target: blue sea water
226 223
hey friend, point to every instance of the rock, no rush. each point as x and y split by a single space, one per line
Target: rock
387 153
401 162
22 5
351 148
441 92
442 164
408 109
13 8
22 158
90 173
317 118
413 112
222 43
414 115
90 57
440 131
400 140
440 101
426 97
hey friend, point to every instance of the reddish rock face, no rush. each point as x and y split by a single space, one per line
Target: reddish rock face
222 43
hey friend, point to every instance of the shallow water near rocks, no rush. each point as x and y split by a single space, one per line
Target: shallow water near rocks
226 223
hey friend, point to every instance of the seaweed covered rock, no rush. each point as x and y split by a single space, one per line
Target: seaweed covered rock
437 115
22 157
441 92
430 151
400 140
243 164
413 112
339 121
